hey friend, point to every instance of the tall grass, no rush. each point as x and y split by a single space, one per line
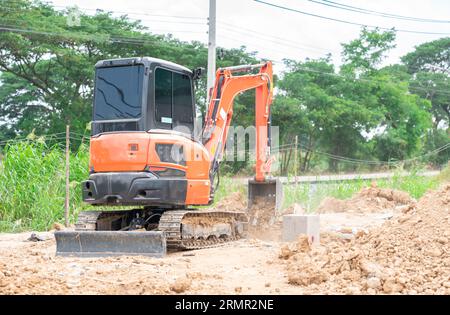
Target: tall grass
32 185
310 195
227 186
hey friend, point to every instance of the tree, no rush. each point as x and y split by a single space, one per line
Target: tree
405 117
47 64
429 65
432 56
365 53
362 112
312 93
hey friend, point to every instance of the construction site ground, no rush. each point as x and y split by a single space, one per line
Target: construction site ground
378 242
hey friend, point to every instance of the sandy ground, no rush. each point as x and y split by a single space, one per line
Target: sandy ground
377 242
248 266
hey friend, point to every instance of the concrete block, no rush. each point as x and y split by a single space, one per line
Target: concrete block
297 224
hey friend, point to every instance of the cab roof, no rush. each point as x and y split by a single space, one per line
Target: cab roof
140 60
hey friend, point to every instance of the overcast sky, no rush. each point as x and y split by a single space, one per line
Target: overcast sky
277 33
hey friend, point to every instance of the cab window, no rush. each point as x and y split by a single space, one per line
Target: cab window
173 100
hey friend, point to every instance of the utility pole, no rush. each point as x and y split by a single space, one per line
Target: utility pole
211 49
66 204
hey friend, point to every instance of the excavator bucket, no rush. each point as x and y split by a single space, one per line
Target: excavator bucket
268 192
110 243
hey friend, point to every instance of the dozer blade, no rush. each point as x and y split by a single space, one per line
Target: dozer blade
267 192
110 243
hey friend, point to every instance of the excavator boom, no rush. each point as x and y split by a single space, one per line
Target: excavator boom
219 117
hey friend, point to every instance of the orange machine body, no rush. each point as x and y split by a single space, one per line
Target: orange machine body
161 167
137 152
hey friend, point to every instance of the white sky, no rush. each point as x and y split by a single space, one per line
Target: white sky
301 36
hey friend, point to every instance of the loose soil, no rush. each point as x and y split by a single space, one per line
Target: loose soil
403 248
368 200
408 254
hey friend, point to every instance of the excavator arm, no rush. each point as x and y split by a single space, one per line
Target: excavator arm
220 112
230 82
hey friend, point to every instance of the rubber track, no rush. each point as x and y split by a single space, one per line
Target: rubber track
170 223
87 220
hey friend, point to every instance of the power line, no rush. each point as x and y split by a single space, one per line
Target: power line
144 14
362 79
112 39
375 13
243 30
140 20
291 146
49 137
244 43
360 161
155 31
140 41
274 41
124 12
347 22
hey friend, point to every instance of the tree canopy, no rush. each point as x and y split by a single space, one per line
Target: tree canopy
360 111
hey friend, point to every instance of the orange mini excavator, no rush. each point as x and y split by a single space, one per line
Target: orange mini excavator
144 153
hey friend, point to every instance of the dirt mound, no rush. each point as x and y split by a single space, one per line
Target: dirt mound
233 202
261 213
263 223
407 254
295 208
181 285
368 200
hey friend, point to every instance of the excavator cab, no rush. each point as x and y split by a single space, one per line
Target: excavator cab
142 140
140 94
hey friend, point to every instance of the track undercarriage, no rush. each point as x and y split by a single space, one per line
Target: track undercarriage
153 230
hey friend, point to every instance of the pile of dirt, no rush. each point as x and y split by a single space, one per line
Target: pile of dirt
294 208
181 285
262 213
233 202
205 221
368 200
408 254
263 221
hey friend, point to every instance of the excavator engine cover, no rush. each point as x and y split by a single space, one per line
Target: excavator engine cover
269 191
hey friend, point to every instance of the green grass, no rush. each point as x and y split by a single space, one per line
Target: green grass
227 186
309 196
32 185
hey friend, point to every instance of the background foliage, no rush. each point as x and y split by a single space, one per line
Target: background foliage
360 116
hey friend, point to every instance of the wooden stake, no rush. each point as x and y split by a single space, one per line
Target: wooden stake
295 159
66 206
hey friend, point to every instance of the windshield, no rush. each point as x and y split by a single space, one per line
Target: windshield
118 92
